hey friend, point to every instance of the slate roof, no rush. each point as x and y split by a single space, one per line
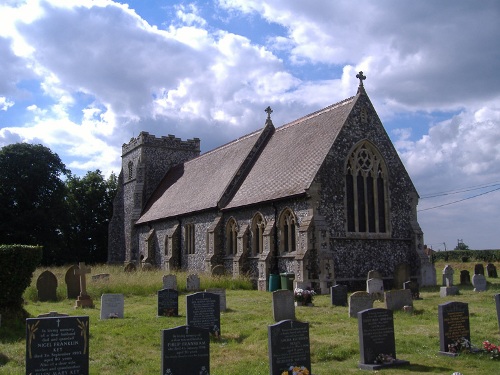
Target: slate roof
286 167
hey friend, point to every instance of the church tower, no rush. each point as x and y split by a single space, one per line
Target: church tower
145 160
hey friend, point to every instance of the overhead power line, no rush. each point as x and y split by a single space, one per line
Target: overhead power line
451 192
460 200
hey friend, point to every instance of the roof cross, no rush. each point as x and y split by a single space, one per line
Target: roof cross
361 78
268 110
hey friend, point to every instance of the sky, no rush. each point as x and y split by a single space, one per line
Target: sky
83 77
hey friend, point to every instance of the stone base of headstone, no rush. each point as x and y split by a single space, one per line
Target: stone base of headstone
448 354
378 366
84 301
448 291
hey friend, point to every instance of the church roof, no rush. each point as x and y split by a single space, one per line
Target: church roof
285 166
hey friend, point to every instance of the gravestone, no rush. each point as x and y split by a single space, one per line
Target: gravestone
402 274
375 288
427 274
283 305
185 350
289 347
479 269
168 302
359 301
397 299
374 274
414 289
338 295
479 283
376 339
222 296
497 304
72 282
491 269
170 282
51 314
83 299
218 270
448 275
57 345
453 325
203 310
46 284
101 277
130 267
193 283
464 277
112 306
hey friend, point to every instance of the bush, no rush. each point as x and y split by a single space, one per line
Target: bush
17 264
468 255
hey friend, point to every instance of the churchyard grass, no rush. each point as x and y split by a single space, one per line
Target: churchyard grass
132 345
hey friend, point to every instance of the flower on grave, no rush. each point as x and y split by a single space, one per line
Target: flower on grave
462 345
384 358
296 370
303 295
492 349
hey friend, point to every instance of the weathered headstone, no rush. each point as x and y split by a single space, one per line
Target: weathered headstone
446 291
454 325
218 270
185 350
170 282
203 310
289 347
101 277
72 282
130 267
112 306
491 269
402 273
283 305
46 284
397 299
57 345
464 277
374 274
497 304
83 300
427 274
448 275
479 269
338 295
414 289
479 282
377 344
193 283
375 288
222 296
51 314
359 301
168 302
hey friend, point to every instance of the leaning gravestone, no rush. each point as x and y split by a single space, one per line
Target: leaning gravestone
479 282
283 305
289 348
168 302
397 299
112 306
170 282
497 304
453 325
464 277
222 296
338 295
377 344
203 310
185 350
359 301
491 269
57 345
193 283
72 282
46 285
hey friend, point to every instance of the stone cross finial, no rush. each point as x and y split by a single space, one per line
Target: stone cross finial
268 110
82 271
361 78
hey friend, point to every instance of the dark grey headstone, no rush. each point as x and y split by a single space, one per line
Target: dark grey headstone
376 337
453 324
288 346
497 303
168 302
491 269
72 282
185 350
46 285
203 310
464 277
479 282
283 305
338 295
58 345
414 289
479 269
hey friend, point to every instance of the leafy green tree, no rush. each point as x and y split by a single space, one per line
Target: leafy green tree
90 207
461 246
32 195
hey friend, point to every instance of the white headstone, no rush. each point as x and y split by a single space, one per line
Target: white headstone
375 287
112 306
448 275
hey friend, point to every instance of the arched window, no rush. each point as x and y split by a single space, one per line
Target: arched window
231 236
189 238
130 169
366 191
258 226
288 231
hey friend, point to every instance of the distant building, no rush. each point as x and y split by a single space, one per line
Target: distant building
325 197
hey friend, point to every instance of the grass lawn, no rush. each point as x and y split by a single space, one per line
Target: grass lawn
132 345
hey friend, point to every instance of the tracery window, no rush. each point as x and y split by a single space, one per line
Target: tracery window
288 224
130 170
258 226
366 191
189 238
231 236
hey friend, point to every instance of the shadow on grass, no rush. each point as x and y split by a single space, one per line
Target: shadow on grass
13 325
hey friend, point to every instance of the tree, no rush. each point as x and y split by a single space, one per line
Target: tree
32 194
90 207
461 246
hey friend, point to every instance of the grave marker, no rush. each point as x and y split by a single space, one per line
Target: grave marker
57 345
283 305
448 275
338 295
479 269
464 277
168 302
397 299
222 296
401 274
72 282
375 287
288 347
185 350
83 299
193 283
453 325
112 306
414 289
46 284
101 277
497 303
170 282
203 310
479 282
427 274
359 301
491 269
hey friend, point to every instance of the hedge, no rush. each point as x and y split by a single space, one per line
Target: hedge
467 255
17 264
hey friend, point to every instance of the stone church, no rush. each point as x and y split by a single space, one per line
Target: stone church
325 197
